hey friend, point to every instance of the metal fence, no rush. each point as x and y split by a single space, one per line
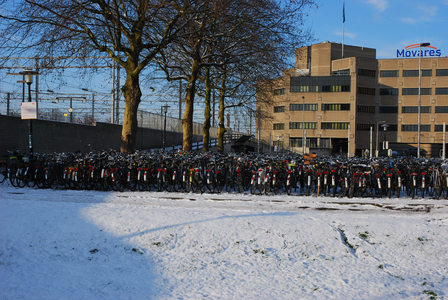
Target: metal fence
156 121
145 119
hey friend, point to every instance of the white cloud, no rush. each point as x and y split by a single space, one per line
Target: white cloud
429 11
426 14
381 5
351 36
410 21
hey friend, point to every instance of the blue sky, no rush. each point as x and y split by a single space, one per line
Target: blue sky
386 25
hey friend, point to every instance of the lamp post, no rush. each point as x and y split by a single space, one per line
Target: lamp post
303 125
278 143
28 74
164 109
385 147
377 126
419 91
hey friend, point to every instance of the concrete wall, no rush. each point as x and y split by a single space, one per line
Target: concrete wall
51 136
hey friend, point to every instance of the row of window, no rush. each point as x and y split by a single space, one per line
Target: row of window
413 73
359 127
364 109
310 142
404 91
317 88
413 109
312 125
366 127
364 90
312 107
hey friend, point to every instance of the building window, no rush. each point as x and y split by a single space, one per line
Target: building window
442 72
278 92
392 127
414 127
368 73
440 127
298 125
295 142
311 142
279 126
278 143
441 91
414 91
335 125
364 127
321 83
325 143
388 109
299 107
278 109
414 73
365 109
414 109
326 88
341 72
366 91
335 107
304 88
441 109
392 73
335 88
389 92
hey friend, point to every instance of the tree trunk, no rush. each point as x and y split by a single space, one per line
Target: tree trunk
207 112
221 129
132 95
187 120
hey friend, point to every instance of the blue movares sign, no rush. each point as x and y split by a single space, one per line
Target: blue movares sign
415 51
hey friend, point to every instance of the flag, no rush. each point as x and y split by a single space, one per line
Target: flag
343 12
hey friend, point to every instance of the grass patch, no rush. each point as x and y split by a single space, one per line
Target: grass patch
364 235
259 251
345 240
433 295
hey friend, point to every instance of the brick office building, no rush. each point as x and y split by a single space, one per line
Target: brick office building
343 102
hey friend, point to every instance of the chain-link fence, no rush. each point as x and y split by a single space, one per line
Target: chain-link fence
87 116
156 121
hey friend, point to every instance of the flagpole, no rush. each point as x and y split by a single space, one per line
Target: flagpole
343 24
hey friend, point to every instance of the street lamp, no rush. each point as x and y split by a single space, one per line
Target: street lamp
419 91
28 74
377 126
164 109
385 147
278 143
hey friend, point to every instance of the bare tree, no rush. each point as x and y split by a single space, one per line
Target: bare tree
131 32
233 36
257 52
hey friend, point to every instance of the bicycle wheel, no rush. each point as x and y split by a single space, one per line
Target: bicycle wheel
52 179
252 189
438 187
12 175
29 175
3 171
288 189
20 180
194 186
240 186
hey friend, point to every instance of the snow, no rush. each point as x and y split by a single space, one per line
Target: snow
64 244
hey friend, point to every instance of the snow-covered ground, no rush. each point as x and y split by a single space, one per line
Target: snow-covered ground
58 244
